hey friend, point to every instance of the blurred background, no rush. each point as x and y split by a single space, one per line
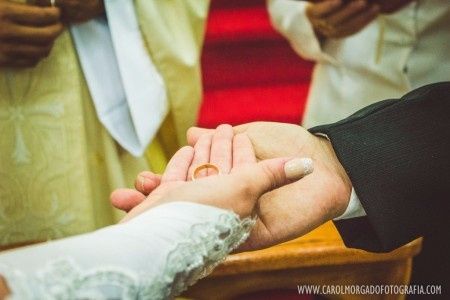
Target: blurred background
250 73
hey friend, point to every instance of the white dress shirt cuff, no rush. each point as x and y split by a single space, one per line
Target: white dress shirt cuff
354 208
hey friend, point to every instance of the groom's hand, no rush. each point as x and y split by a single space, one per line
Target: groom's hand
269 139
296 209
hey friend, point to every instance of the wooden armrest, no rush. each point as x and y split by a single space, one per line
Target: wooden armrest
318 258
320 247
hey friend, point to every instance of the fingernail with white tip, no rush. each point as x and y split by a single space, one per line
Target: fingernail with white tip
142 182
298 167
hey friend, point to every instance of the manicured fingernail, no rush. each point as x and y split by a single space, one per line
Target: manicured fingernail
298 167
142 182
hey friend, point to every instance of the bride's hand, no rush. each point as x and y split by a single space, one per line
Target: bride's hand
219 147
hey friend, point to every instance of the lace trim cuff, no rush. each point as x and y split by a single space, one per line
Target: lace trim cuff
207 235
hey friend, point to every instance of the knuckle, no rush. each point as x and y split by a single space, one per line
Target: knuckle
247 190
270 177
7 11
254 188
52 33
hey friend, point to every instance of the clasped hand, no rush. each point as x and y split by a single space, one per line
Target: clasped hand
270 189
76 11
28 32
342 18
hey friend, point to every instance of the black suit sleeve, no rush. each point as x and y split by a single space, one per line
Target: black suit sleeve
397 155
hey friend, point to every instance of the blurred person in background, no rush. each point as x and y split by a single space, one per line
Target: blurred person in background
365 50
85 88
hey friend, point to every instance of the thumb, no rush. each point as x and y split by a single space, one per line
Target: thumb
271 174
126 199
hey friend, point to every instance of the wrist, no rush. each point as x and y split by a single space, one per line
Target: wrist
341 186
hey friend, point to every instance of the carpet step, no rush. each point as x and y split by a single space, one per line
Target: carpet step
252 63
280 103
236 25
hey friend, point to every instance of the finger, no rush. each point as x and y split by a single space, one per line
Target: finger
323 9
46 3
33 15
240 190
243 152
146 182
271 174
202 151
126 199
178 166
194 133
24 51
222 148
360 21
35 35
351 9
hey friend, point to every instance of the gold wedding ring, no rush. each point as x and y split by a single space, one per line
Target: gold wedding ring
202 167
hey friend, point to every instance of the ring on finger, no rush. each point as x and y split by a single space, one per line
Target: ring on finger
202 167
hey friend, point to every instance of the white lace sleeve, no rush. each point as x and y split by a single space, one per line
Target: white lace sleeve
154 256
